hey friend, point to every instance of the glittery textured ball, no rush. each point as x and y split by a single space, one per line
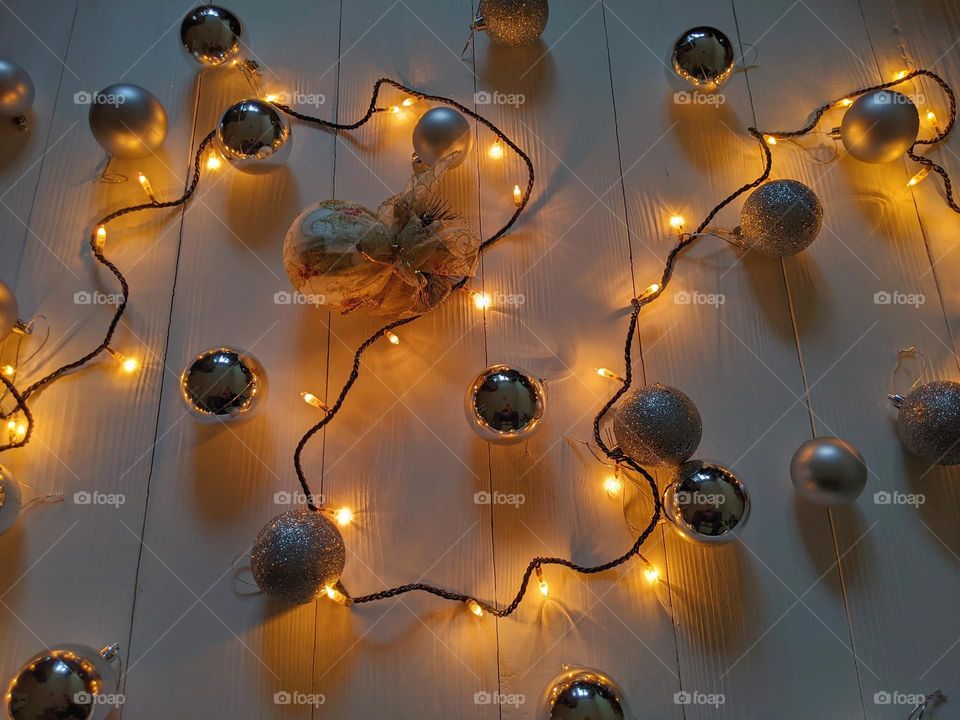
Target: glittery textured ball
929 422
297 554
513 22
657 425
781 218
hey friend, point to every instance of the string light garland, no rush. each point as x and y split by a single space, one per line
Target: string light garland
765 140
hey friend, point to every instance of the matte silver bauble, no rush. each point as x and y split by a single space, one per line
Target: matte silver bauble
780 218
297 555
505 404
10 500
828 471
254 136
9 310
211 35
439 132
703 56
657 425
512 22
706 503
223 384
127 120
929 422
63 682
16 92
583 694
880 126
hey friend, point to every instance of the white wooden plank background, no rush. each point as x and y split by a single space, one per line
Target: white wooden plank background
812 615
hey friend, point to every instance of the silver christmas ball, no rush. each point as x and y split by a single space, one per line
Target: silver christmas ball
16 89
127 120
439 132
703 56
223 384
10 500
657 425
297 555
505 404
512 22
9 310
929 422
62 683
780 218
880 126
583 694
211 35
828 471
706 503
254 136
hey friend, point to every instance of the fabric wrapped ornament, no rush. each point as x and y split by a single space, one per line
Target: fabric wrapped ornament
397 262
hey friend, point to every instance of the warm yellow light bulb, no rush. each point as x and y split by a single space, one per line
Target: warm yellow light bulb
613 485
482 300
310 399
517 195
130 365
770 139
676 222
544 588
343 516
916 179
931 117
845 102
392 337
271 97
475 607
147 187
651 574
496 150
213 161
101 237
334 594
608 373
900 75
408 102
394 109
9 370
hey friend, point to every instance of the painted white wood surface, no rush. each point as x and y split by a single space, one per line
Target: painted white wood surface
795 349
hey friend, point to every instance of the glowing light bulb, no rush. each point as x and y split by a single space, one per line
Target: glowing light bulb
147 187
343 516
900 75
336 595
310 399
213 161
101 237
770 139
393 109
482 300
408 102
676 222
475 607
931 117
17 430
651 574
273 97
613 485
542 584
128 364
845 102
609 374
916 179
392 337
496 150
650 291
517 196
9 370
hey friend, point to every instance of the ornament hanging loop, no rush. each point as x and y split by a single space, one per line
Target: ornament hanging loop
896 399
929 701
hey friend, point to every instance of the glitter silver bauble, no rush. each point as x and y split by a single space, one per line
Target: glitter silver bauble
512 22
929 422
505 404
16 92
880 126
10 500
223 384
211 35
583 694
780 218
657 425
9 310
703 56
66 682
439 132
706 503
297 555
254 137
127 120
828 471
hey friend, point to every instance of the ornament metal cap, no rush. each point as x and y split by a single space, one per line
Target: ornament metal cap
896 399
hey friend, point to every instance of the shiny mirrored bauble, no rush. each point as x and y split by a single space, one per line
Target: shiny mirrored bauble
703 56
706 503
223 384
505 404
211 35
583 694
254 137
